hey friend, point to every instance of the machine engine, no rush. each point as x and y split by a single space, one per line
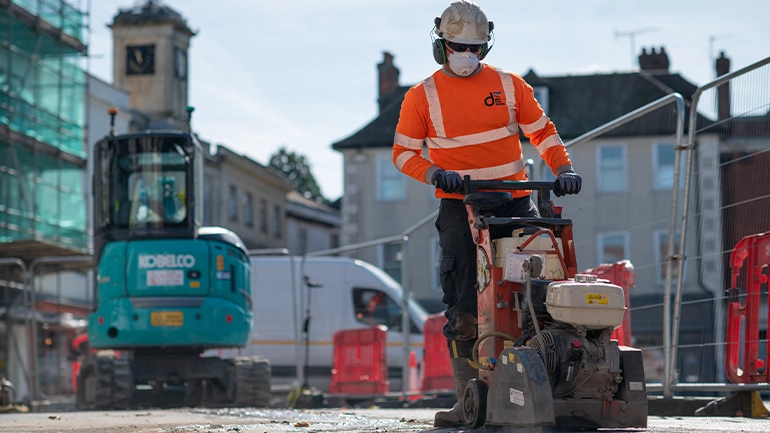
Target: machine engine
562 368
578 317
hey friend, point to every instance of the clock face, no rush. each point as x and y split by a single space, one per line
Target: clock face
140 59
180 63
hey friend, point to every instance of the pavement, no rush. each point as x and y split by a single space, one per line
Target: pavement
341 420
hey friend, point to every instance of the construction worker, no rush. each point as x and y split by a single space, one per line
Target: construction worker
469 115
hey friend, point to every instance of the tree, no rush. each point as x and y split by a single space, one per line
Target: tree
297 171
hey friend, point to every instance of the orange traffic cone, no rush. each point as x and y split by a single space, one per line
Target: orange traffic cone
414 380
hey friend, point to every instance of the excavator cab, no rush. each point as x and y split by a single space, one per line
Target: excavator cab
147 186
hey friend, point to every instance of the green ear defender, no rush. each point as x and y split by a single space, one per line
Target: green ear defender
439 51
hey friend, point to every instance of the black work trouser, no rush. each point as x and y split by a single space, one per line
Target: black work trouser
458 262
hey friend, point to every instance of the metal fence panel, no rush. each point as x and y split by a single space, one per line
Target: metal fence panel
626 210
728 198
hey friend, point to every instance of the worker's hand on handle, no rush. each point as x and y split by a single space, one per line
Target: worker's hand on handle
448 181
568 182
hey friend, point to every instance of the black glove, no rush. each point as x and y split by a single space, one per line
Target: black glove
448 181
568 182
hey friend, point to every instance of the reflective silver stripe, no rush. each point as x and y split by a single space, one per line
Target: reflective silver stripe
491 173
510 93
552 141
408 142
535 126
403 158
469 140
434 106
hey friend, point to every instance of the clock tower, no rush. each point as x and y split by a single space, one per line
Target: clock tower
150 45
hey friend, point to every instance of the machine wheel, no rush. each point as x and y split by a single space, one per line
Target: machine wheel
475 403
252 382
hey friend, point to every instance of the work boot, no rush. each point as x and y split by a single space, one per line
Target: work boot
463 371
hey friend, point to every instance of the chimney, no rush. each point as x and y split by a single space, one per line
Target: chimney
723 90
655 62
388 78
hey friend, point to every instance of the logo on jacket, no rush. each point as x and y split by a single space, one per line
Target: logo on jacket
493 99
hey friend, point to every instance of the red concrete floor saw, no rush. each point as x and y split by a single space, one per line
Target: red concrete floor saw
544 349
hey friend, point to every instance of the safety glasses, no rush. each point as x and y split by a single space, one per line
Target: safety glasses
460 48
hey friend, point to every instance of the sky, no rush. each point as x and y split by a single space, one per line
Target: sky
302 74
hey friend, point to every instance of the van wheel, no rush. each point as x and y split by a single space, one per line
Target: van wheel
252 382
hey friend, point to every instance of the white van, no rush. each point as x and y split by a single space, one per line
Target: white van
343 293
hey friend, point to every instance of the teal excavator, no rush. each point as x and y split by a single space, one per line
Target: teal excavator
167 289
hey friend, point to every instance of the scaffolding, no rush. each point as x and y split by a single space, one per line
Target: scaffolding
42 122
43 88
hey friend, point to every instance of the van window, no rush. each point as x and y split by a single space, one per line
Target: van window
375 307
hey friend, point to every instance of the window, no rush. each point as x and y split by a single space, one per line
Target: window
391 183
302 240
147 182
232 204
663 167
613 247
277 225
248 210
541 94
334 241
611 167
208 205
375 307
263 216
435 265
661 253
390 260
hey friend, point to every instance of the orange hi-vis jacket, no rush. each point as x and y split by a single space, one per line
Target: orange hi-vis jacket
471 126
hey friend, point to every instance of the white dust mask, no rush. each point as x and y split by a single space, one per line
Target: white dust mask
463 64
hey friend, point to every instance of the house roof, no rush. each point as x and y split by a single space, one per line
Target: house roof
380 131
303 208
577 104
580 103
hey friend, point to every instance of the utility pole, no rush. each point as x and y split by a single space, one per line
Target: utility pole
631 35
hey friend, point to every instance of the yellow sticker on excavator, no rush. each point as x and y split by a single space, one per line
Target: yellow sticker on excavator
597 298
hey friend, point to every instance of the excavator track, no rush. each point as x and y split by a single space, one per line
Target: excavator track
105 383
252 382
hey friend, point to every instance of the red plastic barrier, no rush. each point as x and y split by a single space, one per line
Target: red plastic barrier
622 274
754 250
437 368
359 365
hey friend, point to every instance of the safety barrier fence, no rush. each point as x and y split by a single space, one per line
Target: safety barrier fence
727 199
16 359
40 367
626 209
359 364
436 368
749 262
675 198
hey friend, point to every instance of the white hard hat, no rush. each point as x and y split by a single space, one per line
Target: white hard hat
464 22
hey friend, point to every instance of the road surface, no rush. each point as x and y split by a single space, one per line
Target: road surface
301 420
